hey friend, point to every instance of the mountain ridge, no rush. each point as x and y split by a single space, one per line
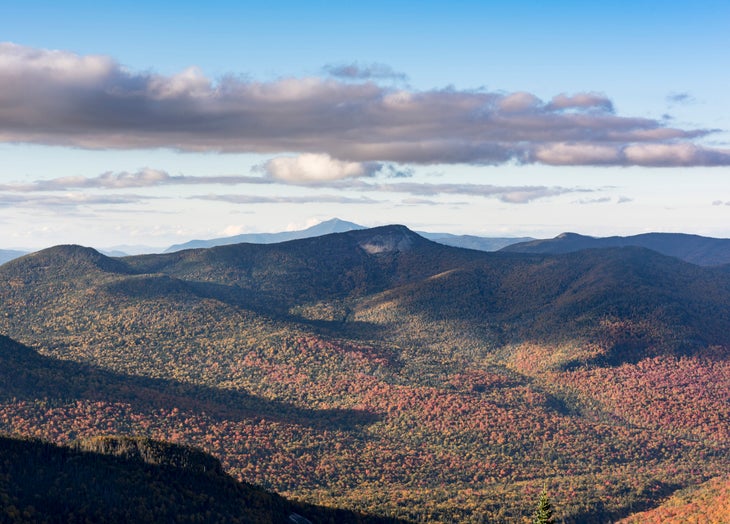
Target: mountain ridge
696 249
337 225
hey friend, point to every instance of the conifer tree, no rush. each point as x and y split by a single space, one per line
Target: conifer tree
544 511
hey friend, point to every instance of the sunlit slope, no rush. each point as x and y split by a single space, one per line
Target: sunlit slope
705 504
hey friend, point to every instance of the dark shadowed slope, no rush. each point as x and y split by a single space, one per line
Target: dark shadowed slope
26 376
703 251
122 479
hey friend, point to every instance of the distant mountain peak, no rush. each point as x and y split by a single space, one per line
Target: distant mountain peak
334 225
338 222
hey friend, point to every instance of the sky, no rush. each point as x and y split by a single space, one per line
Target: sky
154 123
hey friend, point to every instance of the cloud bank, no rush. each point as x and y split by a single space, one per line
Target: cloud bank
61 98
145 177
321 171
312 199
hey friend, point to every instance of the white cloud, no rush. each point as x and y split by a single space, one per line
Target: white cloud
315 168
233 230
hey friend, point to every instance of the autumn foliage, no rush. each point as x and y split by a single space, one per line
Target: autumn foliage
431 384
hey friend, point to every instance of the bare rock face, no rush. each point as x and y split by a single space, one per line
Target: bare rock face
394 239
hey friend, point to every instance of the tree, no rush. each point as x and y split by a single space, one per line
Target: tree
544 511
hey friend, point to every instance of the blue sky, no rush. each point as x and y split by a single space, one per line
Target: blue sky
155 124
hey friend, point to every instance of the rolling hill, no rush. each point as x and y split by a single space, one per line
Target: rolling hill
703 251
381 372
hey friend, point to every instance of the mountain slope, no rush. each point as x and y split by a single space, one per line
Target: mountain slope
379 371
706 504
696 249
122 479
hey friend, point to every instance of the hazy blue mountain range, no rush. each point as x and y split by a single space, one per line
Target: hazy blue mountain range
330 226
703 251
473 242
10 254
336 225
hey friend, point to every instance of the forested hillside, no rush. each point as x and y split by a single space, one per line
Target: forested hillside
708 503
120 479
703 251
377 371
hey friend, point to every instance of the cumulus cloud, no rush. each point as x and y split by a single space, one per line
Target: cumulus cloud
61 98
311 168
